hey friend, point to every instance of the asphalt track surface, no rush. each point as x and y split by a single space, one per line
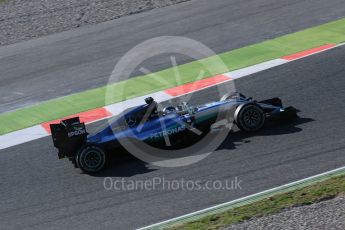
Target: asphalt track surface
40 192
81 59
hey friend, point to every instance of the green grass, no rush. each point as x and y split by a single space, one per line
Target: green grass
327 189
333 32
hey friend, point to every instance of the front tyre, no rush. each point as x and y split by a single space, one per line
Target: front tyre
249 117
91 159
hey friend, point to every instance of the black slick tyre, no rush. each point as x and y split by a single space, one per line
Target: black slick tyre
249 117
91 159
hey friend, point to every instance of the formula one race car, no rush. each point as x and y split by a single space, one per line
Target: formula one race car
150 124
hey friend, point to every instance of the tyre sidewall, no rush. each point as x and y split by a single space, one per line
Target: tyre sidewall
83 154
239 116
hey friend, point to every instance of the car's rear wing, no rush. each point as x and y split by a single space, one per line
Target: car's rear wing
68 136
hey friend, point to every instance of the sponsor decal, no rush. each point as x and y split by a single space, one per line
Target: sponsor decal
168 132
77 132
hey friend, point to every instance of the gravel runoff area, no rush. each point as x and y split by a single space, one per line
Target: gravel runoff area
25 19
328 214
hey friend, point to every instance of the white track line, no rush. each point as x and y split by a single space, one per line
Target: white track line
255 68
22 136
235 75
37 132
278 189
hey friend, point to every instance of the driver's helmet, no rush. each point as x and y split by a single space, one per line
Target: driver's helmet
149 100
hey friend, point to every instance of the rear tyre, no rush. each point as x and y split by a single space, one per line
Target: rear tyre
250 117
91 159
